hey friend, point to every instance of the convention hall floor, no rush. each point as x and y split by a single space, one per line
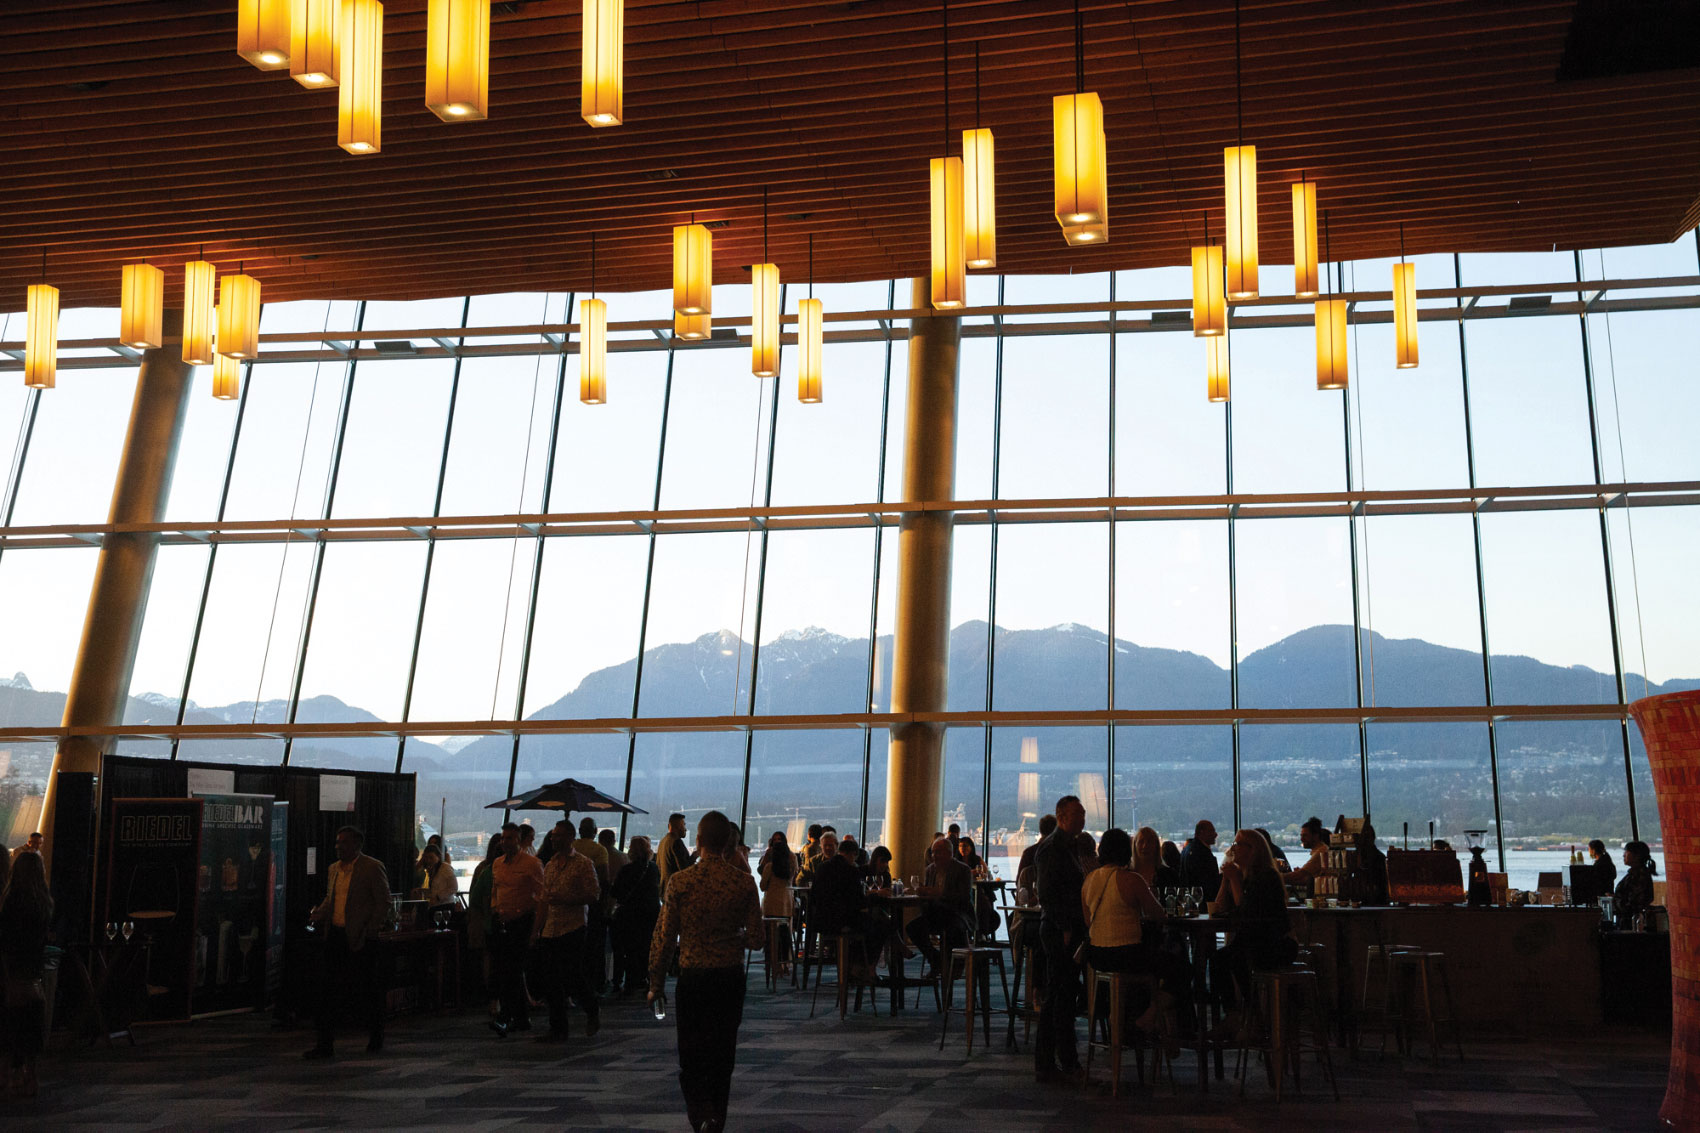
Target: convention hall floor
868 1073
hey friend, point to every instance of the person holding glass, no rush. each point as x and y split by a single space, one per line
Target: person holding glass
439 886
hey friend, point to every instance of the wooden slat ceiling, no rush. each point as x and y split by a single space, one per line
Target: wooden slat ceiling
134 130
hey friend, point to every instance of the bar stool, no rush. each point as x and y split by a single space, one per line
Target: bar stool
976 964
1320 960
1418 967
1281 995
1374 955
1117 983
775 929
1026 957
844 945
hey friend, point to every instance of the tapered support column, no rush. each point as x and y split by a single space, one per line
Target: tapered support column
920 660
119 596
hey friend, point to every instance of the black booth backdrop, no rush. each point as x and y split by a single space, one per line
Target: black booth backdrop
383 810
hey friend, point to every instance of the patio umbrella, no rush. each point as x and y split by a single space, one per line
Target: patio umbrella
567 795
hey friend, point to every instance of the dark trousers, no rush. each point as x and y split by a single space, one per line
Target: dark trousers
939 921
1055 1047
593 951
1173 974
562 966
348 983
509 943
632 934
709 1003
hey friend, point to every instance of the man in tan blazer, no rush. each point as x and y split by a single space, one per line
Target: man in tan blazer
356 905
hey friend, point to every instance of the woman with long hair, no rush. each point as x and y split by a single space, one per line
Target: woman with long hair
1260 939
1116 900
1148 860
439 886
26 910
1635 892
778 869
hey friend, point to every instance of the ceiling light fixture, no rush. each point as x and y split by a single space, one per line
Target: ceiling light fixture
41 337
979 188
1404 309
238 316
457 60
810 316
593 342
1239 166
1209 305
944 174
693 269
226 376
1331 367
764 308
141 317
1304 239
262 33
1216 368
315 42
199 282
1078 156
602 90
360 99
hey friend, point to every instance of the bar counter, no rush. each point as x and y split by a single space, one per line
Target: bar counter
1510 968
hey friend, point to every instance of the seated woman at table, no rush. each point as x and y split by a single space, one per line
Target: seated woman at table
1261 937
878 871
1148 861
1635 892
438 885
1117 901
966 855
1232 889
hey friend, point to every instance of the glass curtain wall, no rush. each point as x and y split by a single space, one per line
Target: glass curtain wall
1140 612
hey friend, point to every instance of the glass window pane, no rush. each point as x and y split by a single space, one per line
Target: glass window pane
829 452
363 624
1289 436
499 440
1653 555
162 653
798 778
1548 625
14 405
1053 439
1290 772
583 652
1431 773
814 628
1423 641
1053 616
1561 783
306 316
1409 428
1646 394
23 781
252 625
1086 287
970 595
72 462
1171 778
963 788
976 401
1493 269
701 605
1295 614
717 426
879 768
599 760
1170 439
516 309
392 450
1172 636
256 752
416 314
474 628
688 772
605 455
289 427
1528 401
1031 769
41 625
203 454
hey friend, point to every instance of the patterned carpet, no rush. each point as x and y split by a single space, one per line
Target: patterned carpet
795 1073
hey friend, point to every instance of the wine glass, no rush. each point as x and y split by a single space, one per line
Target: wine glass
128 928
111 930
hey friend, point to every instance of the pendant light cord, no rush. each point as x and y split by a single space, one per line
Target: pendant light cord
1156 121
811 265
764 258
1239 83
1628 512
944 21
1079 51
1327 249
976 84
592 268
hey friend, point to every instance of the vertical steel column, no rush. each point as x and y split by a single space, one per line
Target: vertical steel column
921 649
1233 582
991 574
118 596
1110 601
761 590
874 601
1352 518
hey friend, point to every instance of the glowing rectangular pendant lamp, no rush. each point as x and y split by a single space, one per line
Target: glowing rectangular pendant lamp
979 200
693 269
457 59
1209 305
1239 166
593 351
1081 193
226 378
1405 315
315 42
949 283
764 320
238 316
360 97
41 338
810 317
262 33
142 311
199 324
1086 233
1330 344
1304 241
602 94
1216 368
692 328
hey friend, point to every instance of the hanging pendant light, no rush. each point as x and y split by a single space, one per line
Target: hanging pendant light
360 97
262 33
1331 367
692 328
141 317
1216 368
1239 167
457 59
226 377
810 318
979 189
1304 240
1404 309
764 309
1209 306
944 175
238 316
593 342
41 335
1078 154
200 279
315 42
693 270
602 90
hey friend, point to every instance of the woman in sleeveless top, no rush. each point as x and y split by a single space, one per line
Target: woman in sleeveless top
1117 901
